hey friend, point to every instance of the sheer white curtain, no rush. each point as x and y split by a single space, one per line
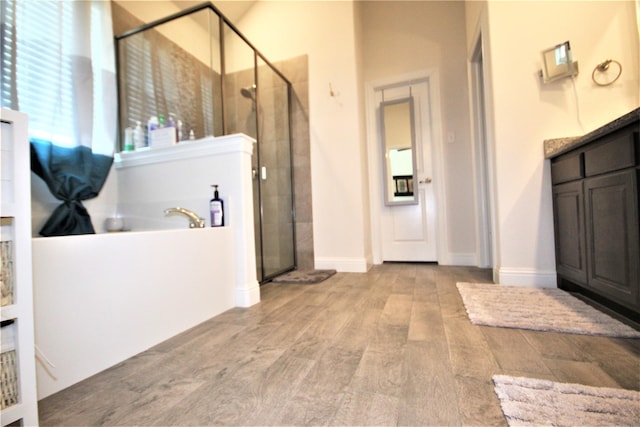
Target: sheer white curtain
59 68
66 72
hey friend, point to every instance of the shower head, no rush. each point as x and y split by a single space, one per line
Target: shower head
249 92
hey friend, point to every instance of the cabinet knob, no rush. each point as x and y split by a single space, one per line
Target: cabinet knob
425 181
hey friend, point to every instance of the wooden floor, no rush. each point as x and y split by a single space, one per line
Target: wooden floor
389 347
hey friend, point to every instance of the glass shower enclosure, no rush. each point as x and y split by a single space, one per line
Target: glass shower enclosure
196 71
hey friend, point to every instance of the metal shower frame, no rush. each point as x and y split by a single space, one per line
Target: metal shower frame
223 20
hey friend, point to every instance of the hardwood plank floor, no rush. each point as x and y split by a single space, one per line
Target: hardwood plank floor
392 346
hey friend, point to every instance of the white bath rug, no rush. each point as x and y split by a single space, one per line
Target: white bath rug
534 402
540 309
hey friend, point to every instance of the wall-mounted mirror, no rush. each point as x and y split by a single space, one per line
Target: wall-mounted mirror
398 151
557 63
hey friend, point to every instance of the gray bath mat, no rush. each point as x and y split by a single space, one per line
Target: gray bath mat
539 309
534 402
305 277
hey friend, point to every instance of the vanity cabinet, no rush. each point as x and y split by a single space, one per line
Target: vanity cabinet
595 210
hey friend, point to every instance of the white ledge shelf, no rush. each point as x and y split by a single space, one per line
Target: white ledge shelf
185 150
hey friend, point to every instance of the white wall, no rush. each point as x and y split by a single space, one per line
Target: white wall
364 190
325 32
525 112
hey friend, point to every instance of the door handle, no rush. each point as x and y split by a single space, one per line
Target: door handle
263 173
425 181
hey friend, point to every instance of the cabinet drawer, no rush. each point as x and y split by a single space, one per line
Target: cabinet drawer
615 153
567 168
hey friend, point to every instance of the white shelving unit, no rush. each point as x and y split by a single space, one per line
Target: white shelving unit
18 377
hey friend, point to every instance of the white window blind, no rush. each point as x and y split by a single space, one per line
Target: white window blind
138 95
37 39
158 76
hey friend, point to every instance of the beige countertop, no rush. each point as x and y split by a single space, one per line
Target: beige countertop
556 146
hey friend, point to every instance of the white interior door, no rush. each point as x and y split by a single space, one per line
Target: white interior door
408 232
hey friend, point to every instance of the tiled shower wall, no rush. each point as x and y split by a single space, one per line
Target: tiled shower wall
240 119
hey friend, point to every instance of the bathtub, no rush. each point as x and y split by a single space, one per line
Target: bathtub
103 298
100 299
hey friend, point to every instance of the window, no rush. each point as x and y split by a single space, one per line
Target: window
160 76
38 80
58 67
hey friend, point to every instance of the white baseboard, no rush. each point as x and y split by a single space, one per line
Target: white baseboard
459 259
345 265
526 277
248 296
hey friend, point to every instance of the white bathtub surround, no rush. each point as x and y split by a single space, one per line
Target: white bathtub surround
100 299
181 175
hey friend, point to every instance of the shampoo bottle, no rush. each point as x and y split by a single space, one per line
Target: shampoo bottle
179 131
152 124
128 139
216 206
173 123
138 136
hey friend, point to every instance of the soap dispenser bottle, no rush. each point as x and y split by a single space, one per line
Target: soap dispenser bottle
216 206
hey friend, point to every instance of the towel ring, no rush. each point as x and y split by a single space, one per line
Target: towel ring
604 66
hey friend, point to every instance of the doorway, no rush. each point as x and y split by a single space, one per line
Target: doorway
483 162
405 231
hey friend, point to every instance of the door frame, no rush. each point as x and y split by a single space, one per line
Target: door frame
375 162
482 159
483 156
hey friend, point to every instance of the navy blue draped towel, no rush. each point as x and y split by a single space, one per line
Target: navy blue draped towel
72 175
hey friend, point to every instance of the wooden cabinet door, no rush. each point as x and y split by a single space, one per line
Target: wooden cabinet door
611 207
568 212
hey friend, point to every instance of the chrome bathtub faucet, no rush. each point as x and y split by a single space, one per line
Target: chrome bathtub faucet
194 220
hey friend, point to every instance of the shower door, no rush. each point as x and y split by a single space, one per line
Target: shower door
273 178
257 104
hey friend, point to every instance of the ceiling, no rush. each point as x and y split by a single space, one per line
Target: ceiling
232 9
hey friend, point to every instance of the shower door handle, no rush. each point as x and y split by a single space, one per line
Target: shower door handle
263 173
